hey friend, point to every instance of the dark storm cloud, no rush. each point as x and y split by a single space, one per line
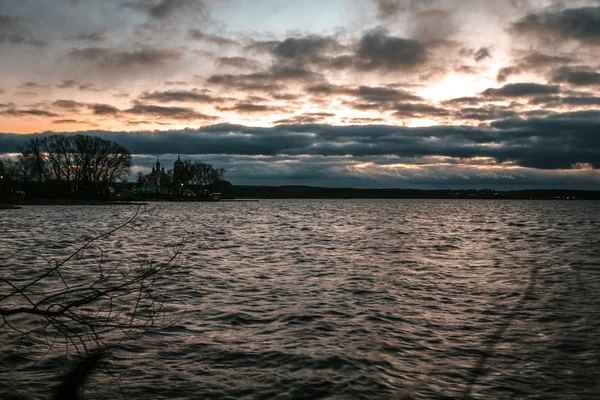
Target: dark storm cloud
166 8
582 101
68 104
326 89
64 121
557 101
104 109
375 50
534 61
9 22
547 100
418 110
300 49
262 46
563 140
89 87
26 94
505 72
189 96
68 84
31 85
537 59
387 8
521 90
274 74
482 53
306 118
379 50
271 80
251 108
14 31
558 141
427 20
291 73
468 69
13 112
477 55
84 87
582 24
365 93
359 121
337 172
97 36
196 34
248 82
237 62
577 76
180 113
379 94
111 58
463 100
487 113
285 96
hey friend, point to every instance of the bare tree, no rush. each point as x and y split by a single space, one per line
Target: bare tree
183 177
6 175
208 175
32 156
81 165
59 157
199 176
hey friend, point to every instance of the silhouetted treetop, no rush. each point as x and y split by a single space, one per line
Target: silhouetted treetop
78 165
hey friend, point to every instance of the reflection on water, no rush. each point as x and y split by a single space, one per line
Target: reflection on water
341 298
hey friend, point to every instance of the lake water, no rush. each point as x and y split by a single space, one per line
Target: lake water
338 299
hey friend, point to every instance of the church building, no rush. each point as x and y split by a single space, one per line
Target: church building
157 181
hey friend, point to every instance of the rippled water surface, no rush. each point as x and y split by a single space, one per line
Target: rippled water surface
336 299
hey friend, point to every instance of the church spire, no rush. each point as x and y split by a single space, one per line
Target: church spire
178 164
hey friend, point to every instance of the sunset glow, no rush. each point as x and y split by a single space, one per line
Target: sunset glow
490 85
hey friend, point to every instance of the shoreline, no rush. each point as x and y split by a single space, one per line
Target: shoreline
18 203
14 205
6 206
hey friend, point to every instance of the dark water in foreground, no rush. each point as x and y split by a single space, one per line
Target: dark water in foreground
338 299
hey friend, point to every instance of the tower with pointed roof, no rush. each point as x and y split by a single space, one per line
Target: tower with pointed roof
177 166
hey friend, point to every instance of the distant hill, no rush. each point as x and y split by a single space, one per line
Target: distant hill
311 192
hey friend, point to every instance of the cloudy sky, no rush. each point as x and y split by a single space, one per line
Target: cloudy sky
363 93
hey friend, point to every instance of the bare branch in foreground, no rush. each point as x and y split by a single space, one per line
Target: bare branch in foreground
84 310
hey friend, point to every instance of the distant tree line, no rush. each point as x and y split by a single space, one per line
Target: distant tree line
198 177
311 192
78 166
88 167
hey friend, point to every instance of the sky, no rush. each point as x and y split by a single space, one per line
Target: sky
501 94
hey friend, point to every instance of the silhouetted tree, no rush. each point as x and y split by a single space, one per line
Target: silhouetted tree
80 165
33 159
182 178
197 176
209 176
6 172
194 175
